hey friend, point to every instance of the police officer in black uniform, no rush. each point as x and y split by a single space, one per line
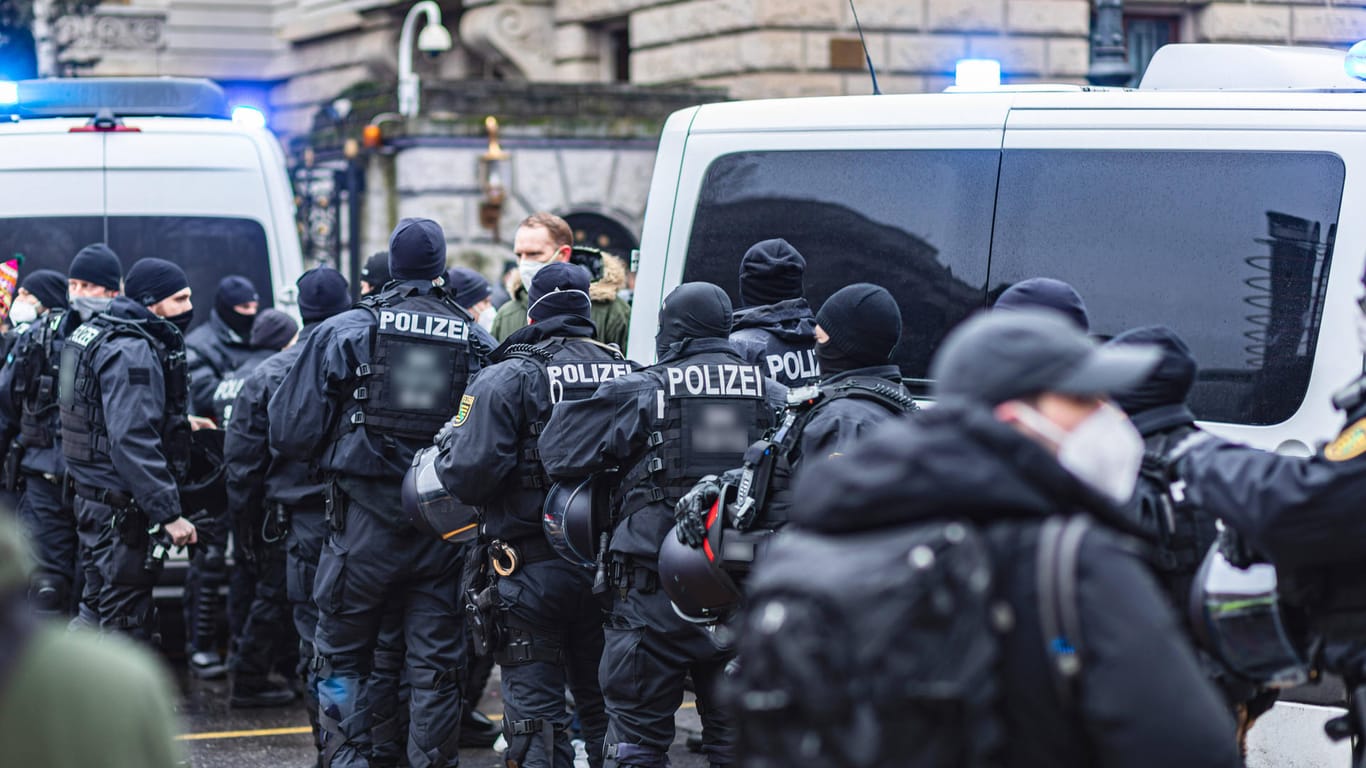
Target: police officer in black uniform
490 457
370 388
223 342
775 327
692 414
375 274
279 496
30 429
126 438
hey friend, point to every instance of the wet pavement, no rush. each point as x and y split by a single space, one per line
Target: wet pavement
219 737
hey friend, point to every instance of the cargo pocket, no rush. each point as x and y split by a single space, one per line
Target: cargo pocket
328 586
299 576
621 663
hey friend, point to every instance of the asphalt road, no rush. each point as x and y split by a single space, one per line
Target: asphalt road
219 737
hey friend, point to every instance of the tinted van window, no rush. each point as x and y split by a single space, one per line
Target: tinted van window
207 248
1229 249
917 222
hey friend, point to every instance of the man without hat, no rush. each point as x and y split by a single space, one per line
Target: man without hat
774 326
371 387
125 437
30 421
1022 433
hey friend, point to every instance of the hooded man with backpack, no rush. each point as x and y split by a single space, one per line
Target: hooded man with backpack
976 602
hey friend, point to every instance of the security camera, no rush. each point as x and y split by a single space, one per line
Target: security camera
434 40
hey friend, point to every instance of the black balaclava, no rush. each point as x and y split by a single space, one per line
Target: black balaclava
864 325
234 290
692 311
771 271
1170 382
48 287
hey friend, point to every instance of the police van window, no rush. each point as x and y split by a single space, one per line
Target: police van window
917 222
207 248
1229 249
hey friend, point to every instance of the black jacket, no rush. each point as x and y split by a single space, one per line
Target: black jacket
211 351
36 460
1143 699
834 428
781 338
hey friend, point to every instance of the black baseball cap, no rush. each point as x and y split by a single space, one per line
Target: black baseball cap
1000 356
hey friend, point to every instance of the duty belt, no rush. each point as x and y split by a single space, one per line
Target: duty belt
508 557
48 476
115 499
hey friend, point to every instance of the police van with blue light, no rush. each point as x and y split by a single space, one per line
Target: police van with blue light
151 166
1215 199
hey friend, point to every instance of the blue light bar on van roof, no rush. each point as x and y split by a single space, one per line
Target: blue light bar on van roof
123 96
977 74
1355 62
9 93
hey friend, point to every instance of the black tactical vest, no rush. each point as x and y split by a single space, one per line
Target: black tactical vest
706 415
422 355
572 372
84 434
37 368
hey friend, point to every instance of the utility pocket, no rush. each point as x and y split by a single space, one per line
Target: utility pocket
329 586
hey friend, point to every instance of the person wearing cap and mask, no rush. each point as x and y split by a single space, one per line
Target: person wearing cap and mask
375 274
1046 293
371 387
30 443
483 460
51 681
223 343
125 437
1022 433
774 326
473 292
692 414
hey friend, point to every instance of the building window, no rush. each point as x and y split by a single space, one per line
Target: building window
617 51
1143 35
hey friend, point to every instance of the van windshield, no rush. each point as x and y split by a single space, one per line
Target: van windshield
207 248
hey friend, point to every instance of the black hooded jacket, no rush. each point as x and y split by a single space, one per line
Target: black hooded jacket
212 351
1142 698
780 337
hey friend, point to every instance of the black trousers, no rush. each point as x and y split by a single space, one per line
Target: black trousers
649 651
117 595
267 633
364 570
555 625
303 544
51 527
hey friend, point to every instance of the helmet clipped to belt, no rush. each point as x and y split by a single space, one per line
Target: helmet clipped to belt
576 519
431 508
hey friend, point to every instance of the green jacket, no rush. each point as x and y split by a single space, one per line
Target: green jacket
612 318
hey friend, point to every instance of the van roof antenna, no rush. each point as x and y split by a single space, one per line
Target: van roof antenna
864 41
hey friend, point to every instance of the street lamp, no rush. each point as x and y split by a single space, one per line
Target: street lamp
491 179
433 40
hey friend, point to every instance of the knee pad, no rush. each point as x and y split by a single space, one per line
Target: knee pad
49 594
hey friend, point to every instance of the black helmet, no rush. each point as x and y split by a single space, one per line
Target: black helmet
1238 619
575 516
206 482
431 508
694 579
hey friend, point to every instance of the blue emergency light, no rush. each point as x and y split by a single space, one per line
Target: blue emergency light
121 96
9 93
977 74
1356 61
248 116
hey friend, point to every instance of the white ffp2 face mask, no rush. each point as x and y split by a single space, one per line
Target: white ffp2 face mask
528 269
486 319
21 312
1104 451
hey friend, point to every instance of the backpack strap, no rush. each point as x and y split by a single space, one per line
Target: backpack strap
1059 611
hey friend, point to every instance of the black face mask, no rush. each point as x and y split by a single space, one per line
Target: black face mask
833 360
182 320
238 322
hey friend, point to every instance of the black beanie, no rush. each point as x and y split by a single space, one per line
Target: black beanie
376 270
417 250
273 329
150 280
468 286
559 288
1170 382
1047 293
48 287
771 271
863 321
323 292
97 264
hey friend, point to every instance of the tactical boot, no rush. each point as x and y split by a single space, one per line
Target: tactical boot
208 665
477 731
259 693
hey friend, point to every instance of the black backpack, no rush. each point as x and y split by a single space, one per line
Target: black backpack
889 656
1182 530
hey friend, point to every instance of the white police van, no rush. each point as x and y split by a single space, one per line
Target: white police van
153 167
1215 199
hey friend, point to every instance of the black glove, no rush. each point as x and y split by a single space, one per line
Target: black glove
690 513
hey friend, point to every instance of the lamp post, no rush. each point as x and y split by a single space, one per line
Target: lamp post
1109 62
491 173
433 40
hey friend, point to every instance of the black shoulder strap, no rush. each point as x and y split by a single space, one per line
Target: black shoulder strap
1059 612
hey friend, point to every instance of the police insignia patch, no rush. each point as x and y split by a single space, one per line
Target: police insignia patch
1349 445
466 403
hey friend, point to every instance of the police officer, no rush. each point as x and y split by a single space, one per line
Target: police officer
223 343
371 386
490 458
375 274
272 492
692 414
30 442
271 332
775 327
125 436
473 292
1046 293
